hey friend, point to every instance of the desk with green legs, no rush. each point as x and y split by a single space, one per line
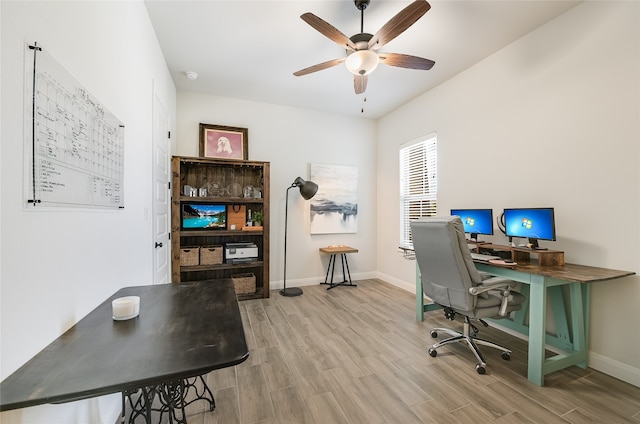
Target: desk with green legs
556 282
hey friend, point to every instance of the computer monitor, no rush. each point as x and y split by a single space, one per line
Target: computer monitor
476 221
532 223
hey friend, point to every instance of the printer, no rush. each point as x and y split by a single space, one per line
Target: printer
237 253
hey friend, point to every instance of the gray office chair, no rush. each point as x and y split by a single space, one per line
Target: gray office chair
450 279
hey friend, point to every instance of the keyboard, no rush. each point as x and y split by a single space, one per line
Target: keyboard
482 257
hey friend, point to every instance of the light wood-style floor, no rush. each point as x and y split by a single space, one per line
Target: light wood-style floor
357 355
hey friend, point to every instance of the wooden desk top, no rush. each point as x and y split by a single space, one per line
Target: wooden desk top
568 272
183 330
335 250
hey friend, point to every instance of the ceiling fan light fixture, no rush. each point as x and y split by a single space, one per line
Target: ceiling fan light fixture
362 62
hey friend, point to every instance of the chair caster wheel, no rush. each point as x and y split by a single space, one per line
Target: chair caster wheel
433 353
480 369
434 334
506 356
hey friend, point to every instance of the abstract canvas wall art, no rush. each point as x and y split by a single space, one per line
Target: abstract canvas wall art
334 208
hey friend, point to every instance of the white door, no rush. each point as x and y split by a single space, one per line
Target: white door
161 194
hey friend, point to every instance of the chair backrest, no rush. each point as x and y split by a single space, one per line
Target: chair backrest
446 267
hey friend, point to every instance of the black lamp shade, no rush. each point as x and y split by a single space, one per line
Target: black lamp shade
308 189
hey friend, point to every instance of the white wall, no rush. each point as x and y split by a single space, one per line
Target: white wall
56 266
291 140
551 120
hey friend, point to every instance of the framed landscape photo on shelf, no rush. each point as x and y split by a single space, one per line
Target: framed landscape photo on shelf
222 142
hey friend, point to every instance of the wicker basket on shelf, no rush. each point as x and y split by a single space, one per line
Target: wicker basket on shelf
245 283
190 256
211 255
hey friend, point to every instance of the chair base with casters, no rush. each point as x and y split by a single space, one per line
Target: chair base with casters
471 340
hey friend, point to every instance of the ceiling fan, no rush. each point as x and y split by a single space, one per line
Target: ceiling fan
362 49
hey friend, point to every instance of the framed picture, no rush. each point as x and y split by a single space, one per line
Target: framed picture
220 142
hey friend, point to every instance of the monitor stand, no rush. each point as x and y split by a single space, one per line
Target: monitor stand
533 244
473 238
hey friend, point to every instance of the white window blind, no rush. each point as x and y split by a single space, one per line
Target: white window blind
418 184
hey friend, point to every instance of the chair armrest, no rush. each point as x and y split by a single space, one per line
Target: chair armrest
485 275
504 285
493 283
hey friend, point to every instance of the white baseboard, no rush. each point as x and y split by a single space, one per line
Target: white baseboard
301 282
116 416
410 287
615 368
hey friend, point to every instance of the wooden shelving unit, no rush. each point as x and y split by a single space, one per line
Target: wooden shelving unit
229 178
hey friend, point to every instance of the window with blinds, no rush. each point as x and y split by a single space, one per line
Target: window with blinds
418 184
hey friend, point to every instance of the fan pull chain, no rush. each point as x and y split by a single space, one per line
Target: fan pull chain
364 99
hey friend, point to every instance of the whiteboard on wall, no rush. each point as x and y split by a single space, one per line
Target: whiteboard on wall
75 145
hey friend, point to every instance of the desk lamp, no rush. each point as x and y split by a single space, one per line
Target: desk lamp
308 189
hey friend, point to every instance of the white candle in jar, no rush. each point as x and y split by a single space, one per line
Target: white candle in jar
126 307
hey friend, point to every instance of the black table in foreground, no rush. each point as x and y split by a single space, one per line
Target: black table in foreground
183 331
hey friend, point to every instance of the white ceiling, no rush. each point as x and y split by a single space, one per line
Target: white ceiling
250 49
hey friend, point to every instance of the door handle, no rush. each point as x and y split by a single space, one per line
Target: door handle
158 244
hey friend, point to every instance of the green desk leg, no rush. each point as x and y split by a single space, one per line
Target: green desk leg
421 307
537 328
419 296
562 339
580 294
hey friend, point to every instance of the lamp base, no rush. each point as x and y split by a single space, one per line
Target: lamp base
291 291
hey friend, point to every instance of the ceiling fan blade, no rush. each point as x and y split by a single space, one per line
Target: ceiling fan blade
328 30
399 23
406 61
360 83
319 67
